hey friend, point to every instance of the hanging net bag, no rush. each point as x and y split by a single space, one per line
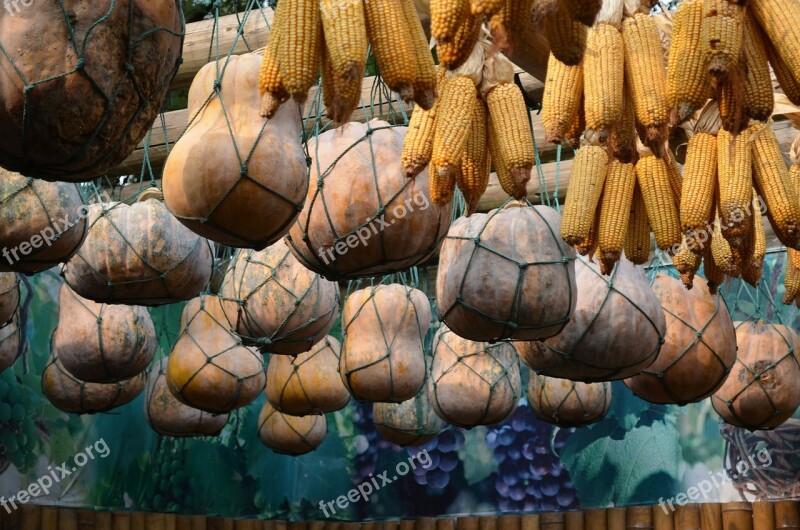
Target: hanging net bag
568 403
290 435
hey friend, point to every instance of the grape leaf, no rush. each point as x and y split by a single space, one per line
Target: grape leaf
478 459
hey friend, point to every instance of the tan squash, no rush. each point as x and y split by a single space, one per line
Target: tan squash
411 422
506 274
568 403
100 343
10 338
119 59
208 368
41 223
362 216
474 383
309 383
168 416
763 388
138 255
617 330
280 305
235 177
383 356
70 394
9 296
290 435
699 348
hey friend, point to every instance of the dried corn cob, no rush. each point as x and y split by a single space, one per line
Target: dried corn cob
454 52
486 8
637 239
604 78
340 96
791 281
575 131
584 11
751 272
675 176
687 79
686 263
567 37
589 246
759 99
442 184
730 98
583 194
722 35
509 185
393 49
299 52
508 119
715 276
622 140
662 212
779 20
785 77
735 180
454 115
510 24
563 92
270 80
697 197
645 74
475 163
446 17
345 30
418 143
425 80
721 250
615 207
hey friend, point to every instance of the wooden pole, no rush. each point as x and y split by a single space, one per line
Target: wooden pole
596 519
574 521
508 522
616 519
30 517
737 516
687 517
763 516
530 522
445 523
553 521
465 523
137 521
711 516
50 518
787 515
639 518
67 519
488 522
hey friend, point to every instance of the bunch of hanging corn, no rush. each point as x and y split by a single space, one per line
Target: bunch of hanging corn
792 278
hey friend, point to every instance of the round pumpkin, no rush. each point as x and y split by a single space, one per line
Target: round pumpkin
506 275
279 305
362 216
10 338
699 348
250 182
36 222
100 343
9 296
309 383
474 383
82 82
70 394
290 435
568 403
763 388
169 417
138 255
617 330
411 422
383 355
209 368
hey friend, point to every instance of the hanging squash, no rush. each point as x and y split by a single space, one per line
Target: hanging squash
617 330
10 338
506 275
138 255
168 416
411 422
100 343
568 403
763 388
209 369
70 394
309 383
474 383
383 356
362 216
699 348
9 296
279 305
290 435
83 82
41 223
251 182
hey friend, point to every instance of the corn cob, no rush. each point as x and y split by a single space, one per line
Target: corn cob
662 212
730 99
645 74
779 20
615 207
509 185
721 250
418 143
475 164
562 98
715 276
425 80
589 246
486 8
637 239
687 78
454 52
454 115
345 33
722 35
754 267
270 81
742 254
697 197
791 281
604 78
583 194
299 52
327 78
446 17
510 25
508 119
787 80
686 263
567 37
772 181
442 184
735 180
675 176
575 131
622 140
584 11
759 98
393 49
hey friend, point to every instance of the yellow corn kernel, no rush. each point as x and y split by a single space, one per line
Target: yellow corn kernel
721 251
785 77
575 131
563 92
735 180
418 143
486 8
588 247
345 30
511 24
615 208
270 81
473 178
780 20
722 35
584 11
730 99
697 195
686 263
662 212
509 185
637 239
425 80
393 49
791 280
299 53
454 52
454 114
687 77
508 119
754 266
675 177
583 194
604 78
442 184
759 98
715 276
567 37
446 17
622 140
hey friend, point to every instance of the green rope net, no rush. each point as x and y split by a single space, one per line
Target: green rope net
290 435
568 403
412 422
79 101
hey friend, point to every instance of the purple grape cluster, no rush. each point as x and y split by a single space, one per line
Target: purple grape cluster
443 454
530 476
368 443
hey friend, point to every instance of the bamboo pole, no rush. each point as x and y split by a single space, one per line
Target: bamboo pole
487 522
102 520
155 521
30 517
121 521
392 524
137 521
737 516
316 525
596 519
663 518
787 515
616 519
183 522
639 517
687 517
574 521
763 516
711 516
445 523
199 522
246 524
553 521
425 523
50 518
464 523
507 522
67 519
529 522
86 519
296 525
